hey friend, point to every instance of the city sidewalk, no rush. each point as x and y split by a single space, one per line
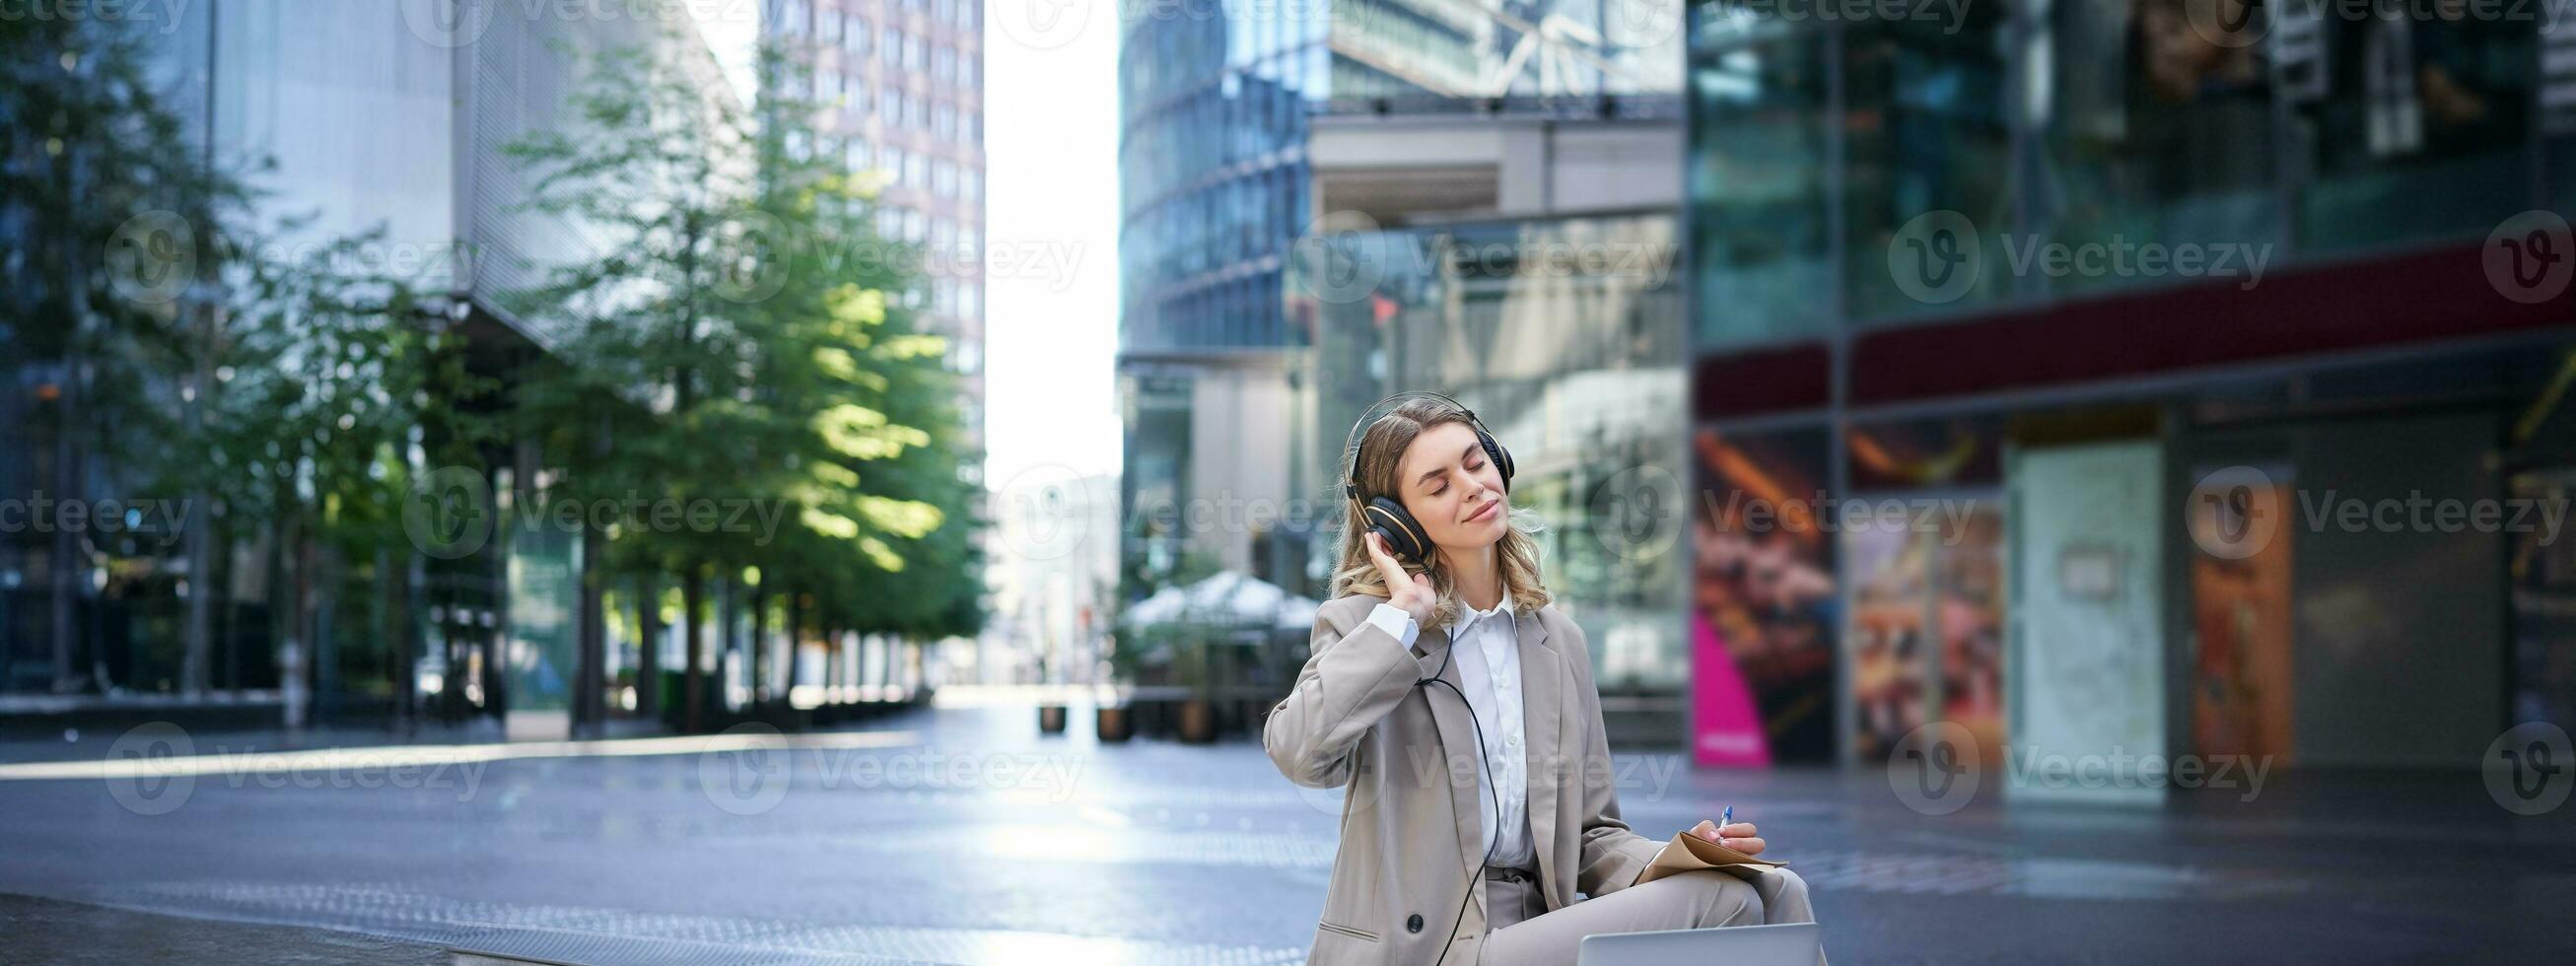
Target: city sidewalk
73 934
960 835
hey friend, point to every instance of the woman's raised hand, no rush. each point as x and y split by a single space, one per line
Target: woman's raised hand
1411 593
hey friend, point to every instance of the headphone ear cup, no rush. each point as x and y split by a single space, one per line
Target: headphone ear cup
1502 459
1403 534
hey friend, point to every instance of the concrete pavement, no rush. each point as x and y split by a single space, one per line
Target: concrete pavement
960 835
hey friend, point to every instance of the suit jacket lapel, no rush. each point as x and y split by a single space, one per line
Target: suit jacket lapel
1457 741
1542 685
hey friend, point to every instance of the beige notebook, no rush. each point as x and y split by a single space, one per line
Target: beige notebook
1688 852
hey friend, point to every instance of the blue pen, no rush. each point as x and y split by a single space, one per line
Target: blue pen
1723 821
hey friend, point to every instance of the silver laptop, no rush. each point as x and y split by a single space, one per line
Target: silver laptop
1787 944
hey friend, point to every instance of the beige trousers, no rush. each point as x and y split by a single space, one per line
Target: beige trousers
1524 933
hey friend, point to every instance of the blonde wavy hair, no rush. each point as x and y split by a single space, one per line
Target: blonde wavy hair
1381 448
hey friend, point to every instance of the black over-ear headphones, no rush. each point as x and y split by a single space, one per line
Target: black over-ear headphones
1385 514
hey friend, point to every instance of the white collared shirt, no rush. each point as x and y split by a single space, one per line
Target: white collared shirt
1487 647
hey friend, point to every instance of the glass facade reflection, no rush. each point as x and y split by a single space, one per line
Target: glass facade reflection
1565 336
1215 189
1214 106
2365 189
2307 134
1756 178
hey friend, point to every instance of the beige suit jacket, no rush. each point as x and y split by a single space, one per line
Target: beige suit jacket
1411 829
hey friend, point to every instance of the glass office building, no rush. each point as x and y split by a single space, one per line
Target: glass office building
1216 101
2048 271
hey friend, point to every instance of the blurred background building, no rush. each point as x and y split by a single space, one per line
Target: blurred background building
377 116
2138 454
394 118
1397 133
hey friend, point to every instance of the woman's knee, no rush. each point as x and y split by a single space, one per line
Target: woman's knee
1726 900
1790 884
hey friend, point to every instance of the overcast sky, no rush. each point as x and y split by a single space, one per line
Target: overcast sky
1051 204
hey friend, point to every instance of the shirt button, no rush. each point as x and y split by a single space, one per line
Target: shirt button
1413 923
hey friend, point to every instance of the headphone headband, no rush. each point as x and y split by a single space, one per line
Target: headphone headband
1350 440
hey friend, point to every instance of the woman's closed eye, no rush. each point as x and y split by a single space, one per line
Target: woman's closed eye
1444 484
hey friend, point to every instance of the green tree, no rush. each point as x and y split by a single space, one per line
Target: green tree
740 347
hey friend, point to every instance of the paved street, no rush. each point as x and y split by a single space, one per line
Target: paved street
960 835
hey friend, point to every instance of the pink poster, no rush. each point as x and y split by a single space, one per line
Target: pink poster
1728 727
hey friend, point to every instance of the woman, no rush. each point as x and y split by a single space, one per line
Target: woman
1479 861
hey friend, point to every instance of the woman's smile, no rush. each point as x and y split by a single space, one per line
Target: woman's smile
1485 514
